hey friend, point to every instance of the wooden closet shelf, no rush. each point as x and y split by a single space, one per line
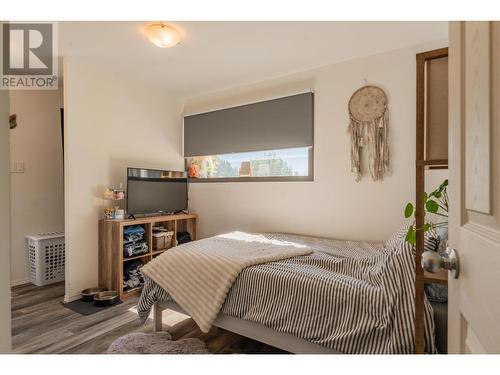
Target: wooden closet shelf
440 277
434 54
439 162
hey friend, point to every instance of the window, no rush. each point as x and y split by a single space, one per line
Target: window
284 164
263 141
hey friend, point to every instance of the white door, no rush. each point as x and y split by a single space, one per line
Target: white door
474 155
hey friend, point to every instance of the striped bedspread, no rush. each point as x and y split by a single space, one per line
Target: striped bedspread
199 274
352 297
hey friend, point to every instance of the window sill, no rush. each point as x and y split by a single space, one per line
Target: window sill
253 179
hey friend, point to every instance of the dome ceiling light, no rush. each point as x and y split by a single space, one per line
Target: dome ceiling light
162 35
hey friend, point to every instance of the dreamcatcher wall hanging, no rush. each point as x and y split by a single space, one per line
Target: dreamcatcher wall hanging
369 129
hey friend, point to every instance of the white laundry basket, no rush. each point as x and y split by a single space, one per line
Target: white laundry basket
47 258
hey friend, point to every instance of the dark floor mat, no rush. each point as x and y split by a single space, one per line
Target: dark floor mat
86 308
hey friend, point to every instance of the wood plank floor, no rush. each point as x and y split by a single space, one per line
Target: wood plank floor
41 324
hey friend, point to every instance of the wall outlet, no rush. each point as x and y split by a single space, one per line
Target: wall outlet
17 167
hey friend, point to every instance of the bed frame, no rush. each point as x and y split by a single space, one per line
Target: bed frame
249 329
286 341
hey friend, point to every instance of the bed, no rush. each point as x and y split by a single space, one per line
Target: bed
344 297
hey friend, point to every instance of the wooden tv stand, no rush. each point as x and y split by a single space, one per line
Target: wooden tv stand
111 255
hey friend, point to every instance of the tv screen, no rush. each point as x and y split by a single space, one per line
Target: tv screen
152 191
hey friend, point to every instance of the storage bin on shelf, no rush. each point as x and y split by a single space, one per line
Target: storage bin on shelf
162 240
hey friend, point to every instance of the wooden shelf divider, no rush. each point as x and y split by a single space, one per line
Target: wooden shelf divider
145 255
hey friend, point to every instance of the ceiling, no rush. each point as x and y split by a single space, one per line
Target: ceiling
218 55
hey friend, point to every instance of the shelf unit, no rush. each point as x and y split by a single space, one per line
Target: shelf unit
114 199
115 202
111 255
431 150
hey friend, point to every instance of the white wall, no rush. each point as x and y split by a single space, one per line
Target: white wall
37 195
111 122
333 205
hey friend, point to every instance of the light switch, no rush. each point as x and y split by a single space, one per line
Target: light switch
17 167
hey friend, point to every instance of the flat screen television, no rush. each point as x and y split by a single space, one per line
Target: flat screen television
152 191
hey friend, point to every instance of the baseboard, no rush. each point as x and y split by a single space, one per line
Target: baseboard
18 282
72 298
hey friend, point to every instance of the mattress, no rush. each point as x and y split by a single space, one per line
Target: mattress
351 297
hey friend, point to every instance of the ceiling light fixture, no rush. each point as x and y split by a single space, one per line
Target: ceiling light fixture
162 35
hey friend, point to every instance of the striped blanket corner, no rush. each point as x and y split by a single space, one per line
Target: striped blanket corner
199 274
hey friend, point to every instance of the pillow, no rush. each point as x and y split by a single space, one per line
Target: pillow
431 240
438 292
443 239
398 236
434 240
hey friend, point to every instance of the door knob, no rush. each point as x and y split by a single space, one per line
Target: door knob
433 261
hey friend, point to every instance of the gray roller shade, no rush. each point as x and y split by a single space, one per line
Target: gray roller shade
270 125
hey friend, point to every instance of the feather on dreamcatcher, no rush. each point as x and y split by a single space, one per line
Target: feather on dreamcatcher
369 129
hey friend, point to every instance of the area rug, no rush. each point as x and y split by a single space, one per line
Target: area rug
156 343
86 308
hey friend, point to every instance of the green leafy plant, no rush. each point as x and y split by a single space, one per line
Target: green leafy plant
435 203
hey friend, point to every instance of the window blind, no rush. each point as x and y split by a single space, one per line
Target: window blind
269 125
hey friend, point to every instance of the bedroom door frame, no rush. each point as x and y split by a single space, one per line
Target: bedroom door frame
474 155
423 163
5 313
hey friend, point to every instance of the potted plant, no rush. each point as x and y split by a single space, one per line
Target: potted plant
435 203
